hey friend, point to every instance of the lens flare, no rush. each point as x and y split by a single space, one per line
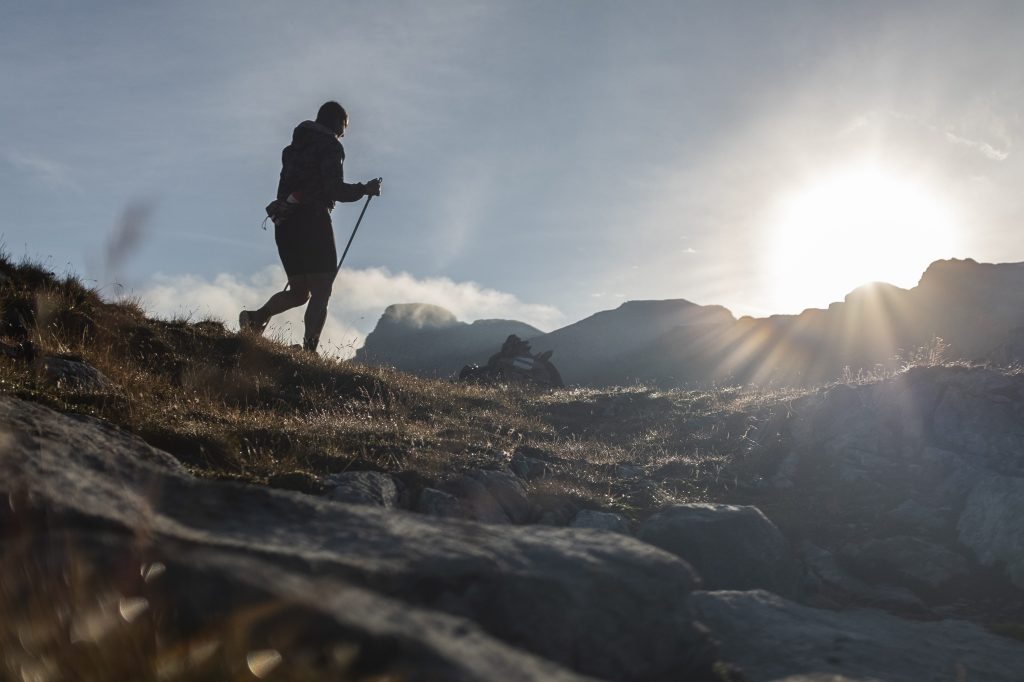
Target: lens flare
850 228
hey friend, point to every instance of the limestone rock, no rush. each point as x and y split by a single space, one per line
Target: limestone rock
73 374
983 417
730 547
772 638
991 524
493 496
435 502
363 487
588 518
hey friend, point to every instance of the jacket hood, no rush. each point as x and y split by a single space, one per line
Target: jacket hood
311 132
315 127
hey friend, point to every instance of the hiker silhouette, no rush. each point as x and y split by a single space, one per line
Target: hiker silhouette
312 180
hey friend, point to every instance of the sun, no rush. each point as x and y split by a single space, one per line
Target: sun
852 227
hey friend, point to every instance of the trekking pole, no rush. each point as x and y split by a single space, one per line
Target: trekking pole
353 236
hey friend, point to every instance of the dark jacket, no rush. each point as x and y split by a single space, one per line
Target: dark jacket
312 166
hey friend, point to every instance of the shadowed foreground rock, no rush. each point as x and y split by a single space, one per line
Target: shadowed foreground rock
595 602
771 638
731 547
939 451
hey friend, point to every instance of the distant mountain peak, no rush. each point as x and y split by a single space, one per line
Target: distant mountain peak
419 316
662 304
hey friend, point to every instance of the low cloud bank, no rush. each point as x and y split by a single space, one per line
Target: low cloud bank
360 297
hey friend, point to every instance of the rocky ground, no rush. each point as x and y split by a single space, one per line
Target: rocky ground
862 531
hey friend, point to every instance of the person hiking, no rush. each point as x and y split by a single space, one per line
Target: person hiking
312 180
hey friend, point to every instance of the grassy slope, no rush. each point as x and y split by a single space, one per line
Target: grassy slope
236 406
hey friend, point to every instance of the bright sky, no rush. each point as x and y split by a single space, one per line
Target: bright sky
542 160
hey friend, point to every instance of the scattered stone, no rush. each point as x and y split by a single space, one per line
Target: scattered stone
363 487
771 638
73 374
493 496
433 502
300 481
22 351
991 524
588 518
730 547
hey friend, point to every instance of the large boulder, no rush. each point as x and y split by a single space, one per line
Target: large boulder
730 547
558 594
771 638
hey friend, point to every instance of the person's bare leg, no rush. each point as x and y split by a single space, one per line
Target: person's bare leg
316 312
297 293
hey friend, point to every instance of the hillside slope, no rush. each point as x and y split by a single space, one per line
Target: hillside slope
185 503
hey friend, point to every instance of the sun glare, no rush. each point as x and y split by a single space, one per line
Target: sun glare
851 228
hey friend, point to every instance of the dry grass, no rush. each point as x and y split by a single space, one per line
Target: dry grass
242 407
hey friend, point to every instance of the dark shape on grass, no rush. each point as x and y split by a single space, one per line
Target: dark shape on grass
515 363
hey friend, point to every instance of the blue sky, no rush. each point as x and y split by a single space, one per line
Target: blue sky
542 160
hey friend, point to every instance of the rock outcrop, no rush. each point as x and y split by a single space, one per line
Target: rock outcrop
935 455
545 602
771 639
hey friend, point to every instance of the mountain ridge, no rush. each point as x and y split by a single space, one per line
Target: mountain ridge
965 307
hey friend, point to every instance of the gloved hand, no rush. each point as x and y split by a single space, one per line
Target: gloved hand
372 188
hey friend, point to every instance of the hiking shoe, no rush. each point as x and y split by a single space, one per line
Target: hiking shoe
247 323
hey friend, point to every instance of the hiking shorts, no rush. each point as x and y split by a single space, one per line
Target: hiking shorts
305 242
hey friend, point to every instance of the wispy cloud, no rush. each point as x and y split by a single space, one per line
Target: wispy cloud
50 172
983 148
360 296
